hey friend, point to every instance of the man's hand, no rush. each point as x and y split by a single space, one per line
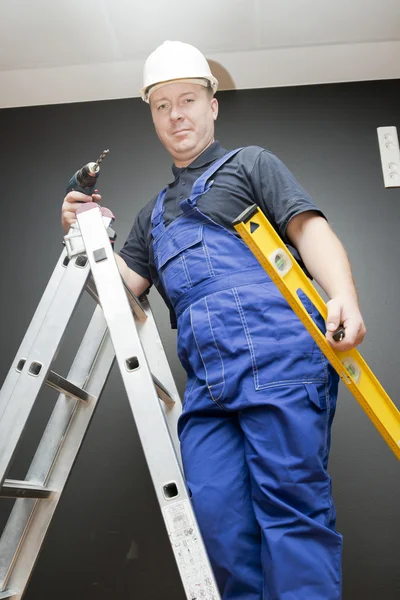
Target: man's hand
70 206
326 260
344 310
136 283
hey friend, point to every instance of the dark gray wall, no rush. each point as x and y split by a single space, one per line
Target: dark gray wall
107 539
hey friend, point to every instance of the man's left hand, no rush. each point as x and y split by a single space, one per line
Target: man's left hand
344 311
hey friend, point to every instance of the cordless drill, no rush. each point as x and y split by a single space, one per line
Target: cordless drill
85 179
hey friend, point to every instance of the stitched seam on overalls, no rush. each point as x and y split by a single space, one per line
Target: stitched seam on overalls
177 254
290 382
165 271
247 334
186 397
173 223
173 264
328 414
207 254
201 356
327 402
273 384
186 270
220 357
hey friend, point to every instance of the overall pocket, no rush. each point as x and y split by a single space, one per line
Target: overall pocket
182 260
298 431
208 350
281 349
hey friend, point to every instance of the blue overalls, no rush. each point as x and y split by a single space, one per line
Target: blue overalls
257 413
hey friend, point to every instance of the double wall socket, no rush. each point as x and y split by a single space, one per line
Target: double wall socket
390 155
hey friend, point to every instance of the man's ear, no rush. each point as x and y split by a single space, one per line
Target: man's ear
214 108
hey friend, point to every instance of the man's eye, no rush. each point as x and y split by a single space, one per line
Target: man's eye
189 100
161 106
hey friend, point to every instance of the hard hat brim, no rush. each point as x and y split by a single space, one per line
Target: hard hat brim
207 80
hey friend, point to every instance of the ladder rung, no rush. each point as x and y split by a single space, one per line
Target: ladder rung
60 384
7 594
162 391
134 302
12 488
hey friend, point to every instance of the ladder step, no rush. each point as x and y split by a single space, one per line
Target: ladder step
134 302
162 392
60 384
13 488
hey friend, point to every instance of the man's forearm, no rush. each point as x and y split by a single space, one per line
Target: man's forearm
135 282
324 256
326 260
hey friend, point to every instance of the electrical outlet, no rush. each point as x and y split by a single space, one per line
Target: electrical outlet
390 155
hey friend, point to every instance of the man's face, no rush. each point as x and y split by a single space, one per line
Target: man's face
183 116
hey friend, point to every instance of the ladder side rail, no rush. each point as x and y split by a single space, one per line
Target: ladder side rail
32 331
159 366
54 459
38 362
157 445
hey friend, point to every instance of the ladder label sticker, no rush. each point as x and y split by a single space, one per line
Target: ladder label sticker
280 261
178 517
186 544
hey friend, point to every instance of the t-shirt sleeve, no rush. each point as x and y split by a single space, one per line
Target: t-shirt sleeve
279 193
135 251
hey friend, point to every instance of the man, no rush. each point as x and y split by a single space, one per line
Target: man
260 396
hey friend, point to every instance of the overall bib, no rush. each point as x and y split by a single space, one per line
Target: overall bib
257 413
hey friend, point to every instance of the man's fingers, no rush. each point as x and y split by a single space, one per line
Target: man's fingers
344 313
334 313
72 201
70 207
73 197
354 335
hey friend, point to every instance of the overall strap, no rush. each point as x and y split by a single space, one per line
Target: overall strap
157 215
202 184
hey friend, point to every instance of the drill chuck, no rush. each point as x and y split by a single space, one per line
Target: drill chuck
85 179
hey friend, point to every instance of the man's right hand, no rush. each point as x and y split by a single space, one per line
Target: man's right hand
136 283
70 206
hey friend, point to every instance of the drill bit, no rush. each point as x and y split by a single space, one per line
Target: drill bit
101 157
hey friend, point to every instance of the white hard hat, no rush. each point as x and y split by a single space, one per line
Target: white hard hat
175 60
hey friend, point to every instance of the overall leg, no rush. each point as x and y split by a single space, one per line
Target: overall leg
218 479
287 433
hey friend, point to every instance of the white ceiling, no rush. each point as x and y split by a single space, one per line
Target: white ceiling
54 51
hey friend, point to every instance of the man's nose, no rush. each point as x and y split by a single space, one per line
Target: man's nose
176 113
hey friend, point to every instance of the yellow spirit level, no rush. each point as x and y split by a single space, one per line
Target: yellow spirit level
262 239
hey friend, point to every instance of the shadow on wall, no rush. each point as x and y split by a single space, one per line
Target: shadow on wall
225 79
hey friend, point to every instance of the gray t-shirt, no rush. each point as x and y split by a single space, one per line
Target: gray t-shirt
253 176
